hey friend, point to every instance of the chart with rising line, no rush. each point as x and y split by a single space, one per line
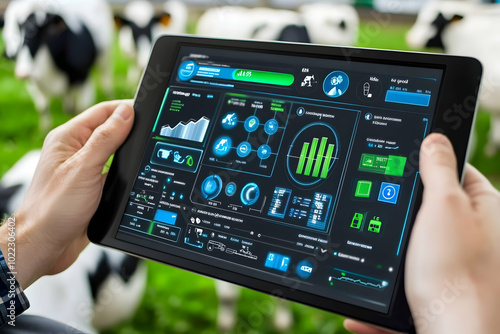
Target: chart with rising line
313 153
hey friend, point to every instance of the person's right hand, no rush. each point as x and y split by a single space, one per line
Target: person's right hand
453 259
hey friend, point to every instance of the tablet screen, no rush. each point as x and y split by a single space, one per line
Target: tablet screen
295 170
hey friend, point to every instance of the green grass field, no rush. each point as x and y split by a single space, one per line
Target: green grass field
177 301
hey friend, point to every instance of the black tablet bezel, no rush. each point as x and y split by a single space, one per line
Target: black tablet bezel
454 117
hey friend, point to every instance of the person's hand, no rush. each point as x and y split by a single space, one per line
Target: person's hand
453 259
51 224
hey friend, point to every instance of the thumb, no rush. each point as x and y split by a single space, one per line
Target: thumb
108 136
438 164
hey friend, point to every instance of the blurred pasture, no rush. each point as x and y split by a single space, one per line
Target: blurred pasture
176 301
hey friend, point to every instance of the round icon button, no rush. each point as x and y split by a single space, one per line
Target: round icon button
251 124
231 189
229 121
301 111
222 146
187 70
243 149
211 186
264 152
336 84
271 127
304 269
250 194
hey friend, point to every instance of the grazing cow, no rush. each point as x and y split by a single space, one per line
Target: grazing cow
330 23
466 29
139 26
256 23
58 45
101 289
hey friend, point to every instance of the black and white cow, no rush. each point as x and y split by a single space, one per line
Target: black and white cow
140 24
101 289
252 23
322 23
466 29
55 45
330 23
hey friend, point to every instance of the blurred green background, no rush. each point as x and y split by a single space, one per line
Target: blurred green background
177 301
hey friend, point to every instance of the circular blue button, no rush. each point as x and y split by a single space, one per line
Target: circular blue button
231 189
229 121
301 111
251 123
250 194
336 84
244 149
271 127
264 152
304 269
187 70
222 146
211 186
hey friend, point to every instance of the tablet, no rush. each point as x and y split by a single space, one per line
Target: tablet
290 169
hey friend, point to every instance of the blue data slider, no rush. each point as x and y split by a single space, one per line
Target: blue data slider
415 99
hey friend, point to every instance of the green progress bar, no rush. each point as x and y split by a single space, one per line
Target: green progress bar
328 158
300 166
310 160
151 224
319 158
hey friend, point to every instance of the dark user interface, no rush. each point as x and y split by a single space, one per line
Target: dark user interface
294 170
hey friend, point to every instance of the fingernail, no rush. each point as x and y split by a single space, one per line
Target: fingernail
123 111
433 141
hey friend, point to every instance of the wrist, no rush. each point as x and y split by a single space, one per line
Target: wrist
457 311
23 260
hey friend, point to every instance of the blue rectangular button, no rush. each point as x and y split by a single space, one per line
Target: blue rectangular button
277 261
415 99
166 217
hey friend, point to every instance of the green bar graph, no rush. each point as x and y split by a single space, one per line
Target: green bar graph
302 159
314 154
328 158
310 159
319 158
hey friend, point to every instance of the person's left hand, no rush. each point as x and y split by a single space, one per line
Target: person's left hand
51 224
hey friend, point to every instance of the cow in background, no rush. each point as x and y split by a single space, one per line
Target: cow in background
321 23
252 23
330 23
140 25
466 29
101 289
55 45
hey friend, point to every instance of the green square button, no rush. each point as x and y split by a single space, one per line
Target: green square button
363 188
